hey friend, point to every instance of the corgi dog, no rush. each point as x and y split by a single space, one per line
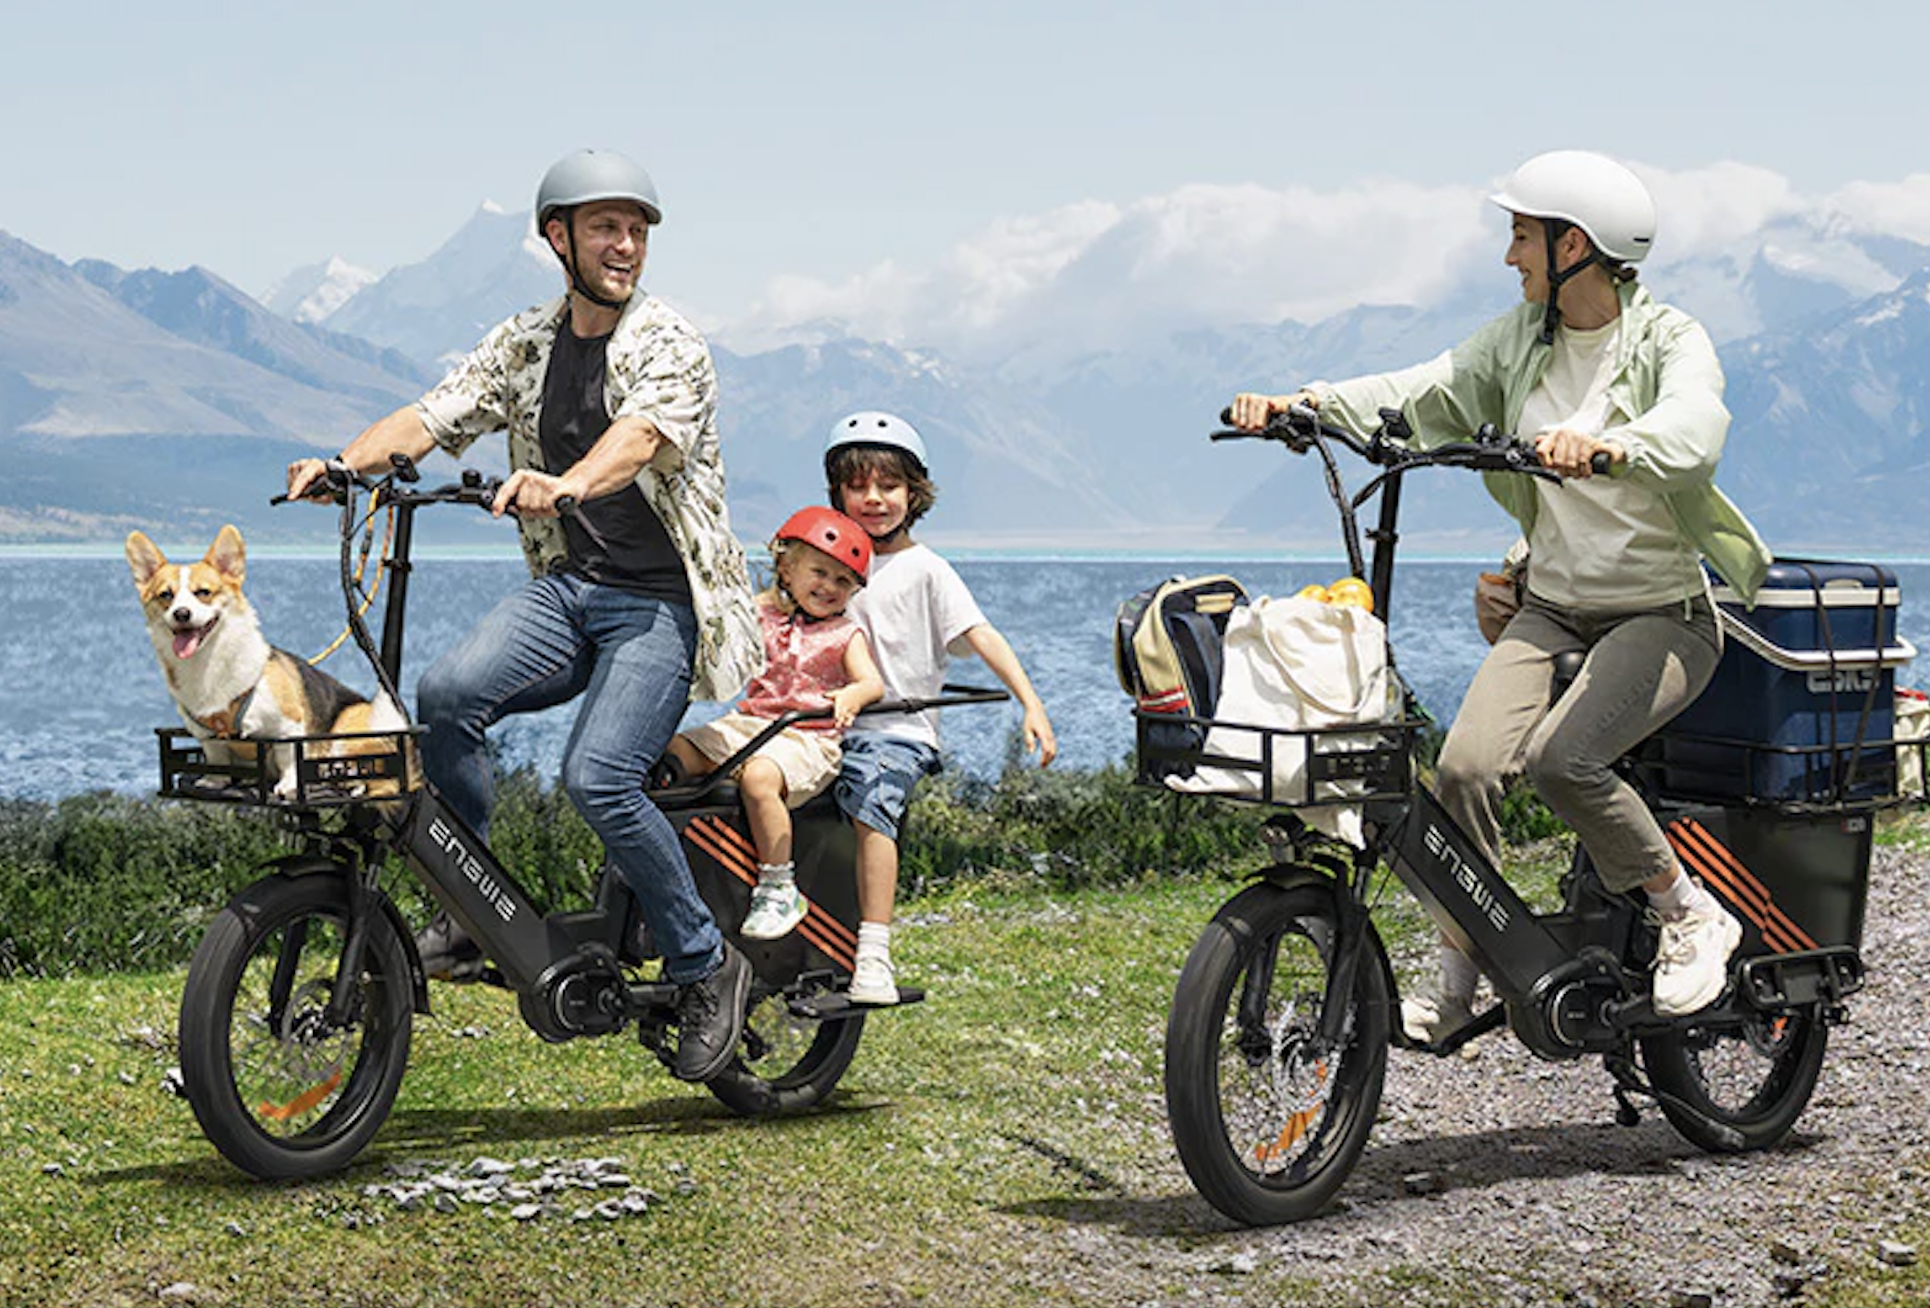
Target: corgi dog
229 684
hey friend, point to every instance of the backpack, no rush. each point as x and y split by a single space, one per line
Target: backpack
1166 652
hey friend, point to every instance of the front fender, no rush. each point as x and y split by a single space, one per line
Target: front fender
1290 876
311 864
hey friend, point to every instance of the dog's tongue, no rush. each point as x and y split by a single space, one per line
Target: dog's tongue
187 642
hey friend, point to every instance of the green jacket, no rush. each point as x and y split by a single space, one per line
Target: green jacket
1665 404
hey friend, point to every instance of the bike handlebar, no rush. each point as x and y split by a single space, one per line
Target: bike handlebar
1488 450
395 486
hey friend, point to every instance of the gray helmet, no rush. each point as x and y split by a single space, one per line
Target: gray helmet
884 430
591 175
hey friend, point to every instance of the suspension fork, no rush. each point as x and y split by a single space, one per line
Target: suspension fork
1350 948
358 870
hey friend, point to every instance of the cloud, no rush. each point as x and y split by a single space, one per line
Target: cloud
1099 275
1891 208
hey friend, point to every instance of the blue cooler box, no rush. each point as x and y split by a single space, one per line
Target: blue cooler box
1801 707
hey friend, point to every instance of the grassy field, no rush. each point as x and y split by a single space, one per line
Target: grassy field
1004 1143
973 1141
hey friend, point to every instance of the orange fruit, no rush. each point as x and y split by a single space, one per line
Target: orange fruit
1315 592
1352 590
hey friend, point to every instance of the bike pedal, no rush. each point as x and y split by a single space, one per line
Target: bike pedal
829 1006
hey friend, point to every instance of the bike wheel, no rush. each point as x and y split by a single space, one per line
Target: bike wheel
1267 1124
280 1089
1753 1079
787 1063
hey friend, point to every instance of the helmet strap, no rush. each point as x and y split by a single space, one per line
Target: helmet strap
1552 230
577 284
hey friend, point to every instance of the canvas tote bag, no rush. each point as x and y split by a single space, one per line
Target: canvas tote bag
1294 665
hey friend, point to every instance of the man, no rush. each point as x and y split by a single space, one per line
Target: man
639 599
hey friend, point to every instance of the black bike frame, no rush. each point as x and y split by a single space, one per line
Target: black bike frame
1441 867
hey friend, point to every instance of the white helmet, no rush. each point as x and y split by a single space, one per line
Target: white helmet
1598 195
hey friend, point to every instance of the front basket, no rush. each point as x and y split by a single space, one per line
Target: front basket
1288 768
329 771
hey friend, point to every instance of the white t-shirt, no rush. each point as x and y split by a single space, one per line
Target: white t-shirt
914 610
1601 543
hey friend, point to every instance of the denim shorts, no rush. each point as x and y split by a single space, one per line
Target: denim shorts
877 777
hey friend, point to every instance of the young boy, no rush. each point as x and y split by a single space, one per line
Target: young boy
915 609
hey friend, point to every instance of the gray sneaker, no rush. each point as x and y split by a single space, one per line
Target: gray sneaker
447 952
710 1018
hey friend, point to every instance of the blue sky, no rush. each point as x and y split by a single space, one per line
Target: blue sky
838 145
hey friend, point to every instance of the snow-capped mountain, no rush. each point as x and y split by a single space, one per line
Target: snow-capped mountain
312 292
440 307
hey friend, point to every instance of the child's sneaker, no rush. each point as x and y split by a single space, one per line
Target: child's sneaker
775 909
873 982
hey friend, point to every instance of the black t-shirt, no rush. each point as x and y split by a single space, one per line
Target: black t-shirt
635 553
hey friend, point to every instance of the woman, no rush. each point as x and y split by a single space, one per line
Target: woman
1588 364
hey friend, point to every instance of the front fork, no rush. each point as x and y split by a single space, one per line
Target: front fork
1351 950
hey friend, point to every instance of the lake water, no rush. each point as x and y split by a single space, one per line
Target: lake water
80 692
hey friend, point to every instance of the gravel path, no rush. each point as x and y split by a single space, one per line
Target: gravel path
1509 1176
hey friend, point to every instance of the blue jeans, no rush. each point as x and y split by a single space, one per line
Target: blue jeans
629 657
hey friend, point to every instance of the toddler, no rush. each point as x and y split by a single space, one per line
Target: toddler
815 658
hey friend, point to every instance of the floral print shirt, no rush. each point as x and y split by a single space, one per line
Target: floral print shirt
659 369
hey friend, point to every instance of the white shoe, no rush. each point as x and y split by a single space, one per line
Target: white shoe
1430 1018
873 983
775 910
1692 960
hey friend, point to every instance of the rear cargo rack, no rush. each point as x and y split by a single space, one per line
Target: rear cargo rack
330 771
1343 765
1844 777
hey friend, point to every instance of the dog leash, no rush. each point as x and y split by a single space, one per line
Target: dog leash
361 569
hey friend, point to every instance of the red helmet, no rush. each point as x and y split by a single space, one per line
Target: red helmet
833 533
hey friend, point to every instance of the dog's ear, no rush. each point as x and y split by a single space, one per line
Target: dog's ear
143 559
227 555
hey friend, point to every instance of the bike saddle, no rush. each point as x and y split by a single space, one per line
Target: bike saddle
1568 666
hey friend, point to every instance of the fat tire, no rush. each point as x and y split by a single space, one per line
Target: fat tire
374 1049
1204 1065
802 1066
1778 1075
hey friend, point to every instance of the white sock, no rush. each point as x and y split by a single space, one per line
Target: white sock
1458 975
776 875
1682 896
874 939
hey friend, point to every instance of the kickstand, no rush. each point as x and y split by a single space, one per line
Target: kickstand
1628 1084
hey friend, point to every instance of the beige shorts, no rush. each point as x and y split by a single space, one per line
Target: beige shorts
808 759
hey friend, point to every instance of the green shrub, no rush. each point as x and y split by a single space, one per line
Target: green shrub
1070 828
102 882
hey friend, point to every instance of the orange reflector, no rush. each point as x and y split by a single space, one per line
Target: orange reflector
302 1102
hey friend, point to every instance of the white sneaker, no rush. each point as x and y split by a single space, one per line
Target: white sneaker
1429 1018
775 910
873 982
1692 960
